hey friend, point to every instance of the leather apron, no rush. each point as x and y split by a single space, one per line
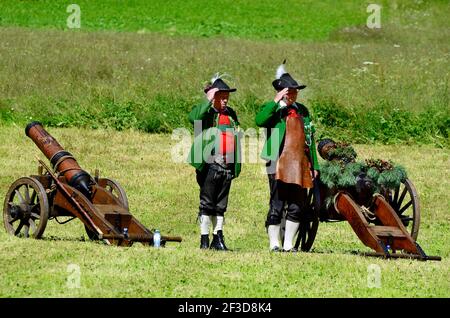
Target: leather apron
293 164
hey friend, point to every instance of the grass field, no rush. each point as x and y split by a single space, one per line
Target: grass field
164 195
263 19
137 67
389 85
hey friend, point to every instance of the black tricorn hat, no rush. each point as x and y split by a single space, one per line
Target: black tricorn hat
285 80
217 82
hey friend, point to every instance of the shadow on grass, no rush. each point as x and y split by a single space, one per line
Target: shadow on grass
69 239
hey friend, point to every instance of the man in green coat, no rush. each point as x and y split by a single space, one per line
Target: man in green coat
291 157
215 154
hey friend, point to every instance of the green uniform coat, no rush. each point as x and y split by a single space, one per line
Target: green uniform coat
270 117
206 140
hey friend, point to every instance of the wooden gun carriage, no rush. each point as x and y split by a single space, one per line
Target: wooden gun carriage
68 191
387 222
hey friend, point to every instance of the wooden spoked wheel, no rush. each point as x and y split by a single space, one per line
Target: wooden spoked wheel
309 223
117 191
405 201
26 208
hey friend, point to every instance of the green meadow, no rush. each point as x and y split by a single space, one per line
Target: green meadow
164 195
385 85
293 20
113 91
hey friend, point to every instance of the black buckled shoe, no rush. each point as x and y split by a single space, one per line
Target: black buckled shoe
218 242
204 241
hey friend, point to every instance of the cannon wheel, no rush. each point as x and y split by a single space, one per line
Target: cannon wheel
309 224
405 201
119 193
26 208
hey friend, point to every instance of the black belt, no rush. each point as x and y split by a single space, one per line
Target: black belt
220 171
216 167
223 160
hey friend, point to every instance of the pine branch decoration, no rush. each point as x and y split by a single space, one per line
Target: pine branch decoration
342 171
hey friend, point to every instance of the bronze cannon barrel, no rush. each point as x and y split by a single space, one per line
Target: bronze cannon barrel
62 161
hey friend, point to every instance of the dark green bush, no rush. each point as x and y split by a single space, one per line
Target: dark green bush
384 123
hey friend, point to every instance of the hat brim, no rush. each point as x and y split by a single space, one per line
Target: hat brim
221 90
280 87
228 90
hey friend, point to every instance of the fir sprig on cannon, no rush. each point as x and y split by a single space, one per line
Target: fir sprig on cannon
362 178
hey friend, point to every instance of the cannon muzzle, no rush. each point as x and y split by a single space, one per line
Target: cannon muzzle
62 161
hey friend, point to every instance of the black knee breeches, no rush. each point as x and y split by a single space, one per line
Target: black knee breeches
283 195
214 182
